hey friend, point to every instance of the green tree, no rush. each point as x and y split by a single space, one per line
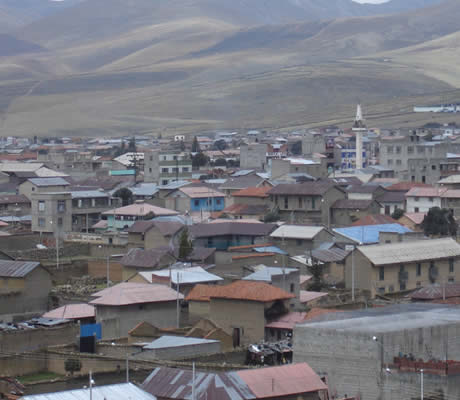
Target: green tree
272 215
185 245
316 270
397 213
220 145
196 146
199 160
296 148
125 195
439 222
72 365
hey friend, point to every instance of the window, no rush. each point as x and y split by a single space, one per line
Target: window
185 169
390 162
451 280
451 265
381 274
41 205
381 290
196 202
218 202
418 269
390 149
60 223
61 205
313 204
433 167
164 182
416 209
398 162
33 189
150 170
398 149
410 150
41 222
286 202
402 286
300 202
412 178
292 288
423 179
299 242
165 170
416 199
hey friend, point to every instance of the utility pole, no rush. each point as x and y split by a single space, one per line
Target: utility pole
127 368
177 299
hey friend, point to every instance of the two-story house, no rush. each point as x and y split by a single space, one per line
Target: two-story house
421 199
195 199
308 202
400 266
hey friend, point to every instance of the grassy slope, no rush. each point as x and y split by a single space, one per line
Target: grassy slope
194 74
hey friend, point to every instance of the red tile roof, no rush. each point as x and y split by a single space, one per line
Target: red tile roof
239 290
406 186
286 380
376 219
416 218
261 192
425 192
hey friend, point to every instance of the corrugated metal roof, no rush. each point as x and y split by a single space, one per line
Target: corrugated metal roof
425 192
286 380
183 276
176 341
141 209
16 269
53 181
370 233
270 249
72 311
266 274
88 194
306 296
352 204
296 232
437 291
15 198
417 250
200 192
121 391
303 189
172 383
231 228
140 258
134 293
329 255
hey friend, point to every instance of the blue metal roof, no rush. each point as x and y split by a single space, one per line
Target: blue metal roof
176 341
368 234
123 172
270 249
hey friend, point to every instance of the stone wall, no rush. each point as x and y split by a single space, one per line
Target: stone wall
66 250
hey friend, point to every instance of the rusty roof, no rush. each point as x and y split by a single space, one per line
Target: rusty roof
16 269
374 219
437 291
173 383
239 290
166 228
285 380
406 186
127 293
14 198
261 192
425 192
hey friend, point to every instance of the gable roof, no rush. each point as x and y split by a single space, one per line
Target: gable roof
351 204
140 258
370 233
166 228
71 311
141 209
127 293
263 273
242 182
15 198
183 276
374 219
425 192
286 380
316 188
16 269
296 232
417 250
43 182
406 186
239 290
231 228
260 192
200 192
416 218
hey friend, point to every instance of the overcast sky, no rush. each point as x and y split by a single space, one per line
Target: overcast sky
371 1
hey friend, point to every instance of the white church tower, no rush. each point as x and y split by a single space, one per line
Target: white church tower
359 128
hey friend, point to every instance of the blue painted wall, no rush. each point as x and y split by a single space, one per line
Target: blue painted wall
216 204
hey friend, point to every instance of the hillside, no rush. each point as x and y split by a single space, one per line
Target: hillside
200 73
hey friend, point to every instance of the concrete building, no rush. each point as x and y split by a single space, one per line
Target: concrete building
24 289
345 212
195 199
42 185
422 199
52 212
313 143
121 307
361 352
253 156
166 167
394 267
241 308
299 239
297 167
14 205
153 234
138 260
307 202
